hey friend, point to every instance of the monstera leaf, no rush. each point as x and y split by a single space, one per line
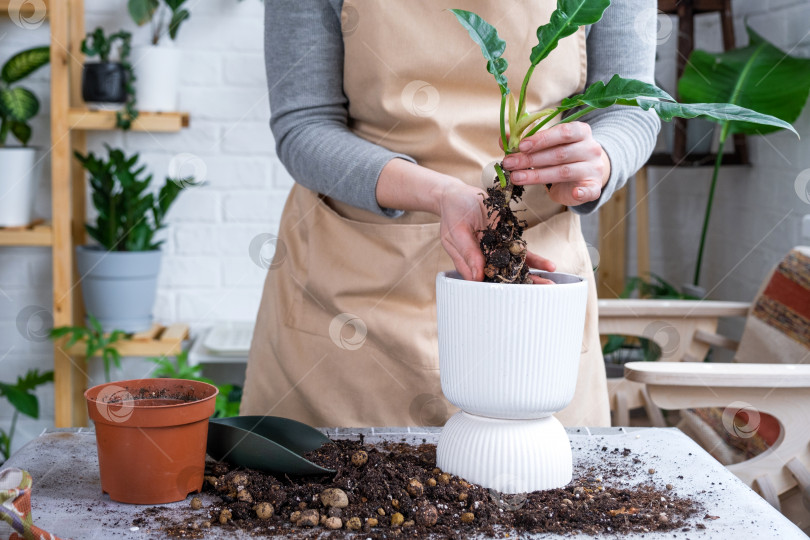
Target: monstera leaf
759 76
492 46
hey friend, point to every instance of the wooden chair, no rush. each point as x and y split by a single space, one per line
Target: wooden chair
778 385
683 329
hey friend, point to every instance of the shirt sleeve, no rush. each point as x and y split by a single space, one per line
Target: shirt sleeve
304 61
622 42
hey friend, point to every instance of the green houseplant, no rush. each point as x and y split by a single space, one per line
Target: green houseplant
526 370
18 105
22 397
758 76
157 64
95 340
119 276
107 83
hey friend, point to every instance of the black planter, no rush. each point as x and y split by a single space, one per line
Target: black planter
104 82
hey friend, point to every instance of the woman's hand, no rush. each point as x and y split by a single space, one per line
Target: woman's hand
463 215
565 156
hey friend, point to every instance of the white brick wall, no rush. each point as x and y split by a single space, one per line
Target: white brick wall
207 274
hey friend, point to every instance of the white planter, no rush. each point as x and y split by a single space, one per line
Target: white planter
510 351
510 456
509 357
156 77
18 186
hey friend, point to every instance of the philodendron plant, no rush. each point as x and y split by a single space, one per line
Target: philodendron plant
502 242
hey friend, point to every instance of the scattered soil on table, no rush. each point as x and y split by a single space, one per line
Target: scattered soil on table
394 490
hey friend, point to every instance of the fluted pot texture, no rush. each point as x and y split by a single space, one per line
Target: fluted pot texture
510 351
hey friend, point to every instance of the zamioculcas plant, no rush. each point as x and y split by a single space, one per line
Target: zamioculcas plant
18 105
502 241
168 16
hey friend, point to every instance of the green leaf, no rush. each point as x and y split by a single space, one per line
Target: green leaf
616 91
23 401
18 104
716 112
565 20
492 46
759 76
613 344
21 131
24 63
177 18
142 11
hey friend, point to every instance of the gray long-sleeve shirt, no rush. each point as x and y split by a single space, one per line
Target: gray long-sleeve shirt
303 43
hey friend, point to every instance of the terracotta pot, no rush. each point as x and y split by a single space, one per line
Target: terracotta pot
151 436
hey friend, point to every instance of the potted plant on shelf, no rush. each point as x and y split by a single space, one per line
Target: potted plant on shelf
509 350
18 168
108 84
758 76
157 65
119 276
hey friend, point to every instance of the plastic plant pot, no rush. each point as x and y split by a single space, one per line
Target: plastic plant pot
151 436
104 84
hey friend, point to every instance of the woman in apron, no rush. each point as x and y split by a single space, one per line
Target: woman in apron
385 116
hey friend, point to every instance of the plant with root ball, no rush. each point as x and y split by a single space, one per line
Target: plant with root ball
502 242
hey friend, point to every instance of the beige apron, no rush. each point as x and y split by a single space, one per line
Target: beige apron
346 331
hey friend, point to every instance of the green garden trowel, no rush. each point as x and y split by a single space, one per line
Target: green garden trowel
265 443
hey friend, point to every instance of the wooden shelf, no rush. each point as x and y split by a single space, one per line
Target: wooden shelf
146 121
662 159
34 235
670 7
157 341
26 9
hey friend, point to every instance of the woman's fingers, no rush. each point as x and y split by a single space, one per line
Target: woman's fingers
462 216
540 263
584 150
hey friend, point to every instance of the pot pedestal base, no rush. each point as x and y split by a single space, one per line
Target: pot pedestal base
509 456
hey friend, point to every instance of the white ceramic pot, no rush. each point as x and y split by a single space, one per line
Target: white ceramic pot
508 358
510 351
509 456
18 185
156 77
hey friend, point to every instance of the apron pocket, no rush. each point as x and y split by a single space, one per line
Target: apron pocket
369 285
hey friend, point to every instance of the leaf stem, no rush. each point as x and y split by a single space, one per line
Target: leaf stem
503 120
717 162
545 121
13 427
577 115
501 177
523 86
